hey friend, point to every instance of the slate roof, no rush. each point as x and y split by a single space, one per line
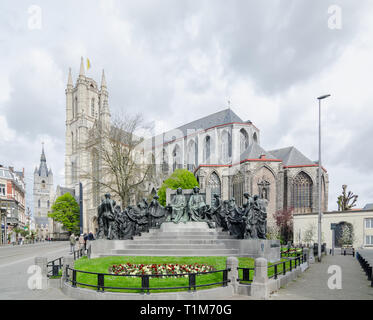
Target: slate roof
368 206
254 151
212 120
291 156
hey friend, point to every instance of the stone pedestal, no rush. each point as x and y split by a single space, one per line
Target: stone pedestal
184 227
259 286
232 264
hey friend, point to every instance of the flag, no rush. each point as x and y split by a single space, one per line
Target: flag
88 64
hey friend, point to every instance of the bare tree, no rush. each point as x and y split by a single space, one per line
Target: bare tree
344 200
121 167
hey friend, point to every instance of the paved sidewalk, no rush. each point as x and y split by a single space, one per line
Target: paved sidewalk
313 284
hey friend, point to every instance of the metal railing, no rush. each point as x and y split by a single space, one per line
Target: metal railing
367 267
54 267
291 252
279 268
71 276
246 272
348 251
287 265
80 253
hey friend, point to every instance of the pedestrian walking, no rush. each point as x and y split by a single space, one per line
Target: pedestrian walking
81 241
72 243
90 236
85 237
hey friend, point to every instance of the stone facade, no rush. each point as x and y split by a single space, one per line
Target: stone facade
43 198
356 218
221 149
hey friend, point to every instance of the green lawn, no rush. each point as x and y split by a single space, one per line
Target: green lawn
101 265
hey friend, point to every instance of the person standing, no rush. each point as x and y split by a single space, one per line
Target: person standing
81 242
72 243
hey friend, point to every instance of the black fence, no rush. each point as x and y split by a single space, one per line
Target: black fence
80 253
279 268
247 274
367 267
348 251
71 276
54 267
291 252
284 266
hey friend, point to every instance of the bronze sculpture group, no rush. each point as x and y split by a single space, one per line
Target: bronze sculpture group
248 222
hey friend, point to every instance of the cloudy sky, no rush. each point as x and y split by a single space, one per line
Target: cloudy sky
176 61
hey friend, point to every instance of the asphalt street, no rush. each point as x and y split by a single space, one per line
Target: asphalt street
14 264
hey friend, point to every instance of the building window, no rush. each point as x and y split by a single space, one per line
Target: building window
244 140
164 162
255 137
226 147
214 184
369 223
369 240
302 193
192 155
176 158
39 203
2 189
43 184
207 150
93 107
237 188
48 204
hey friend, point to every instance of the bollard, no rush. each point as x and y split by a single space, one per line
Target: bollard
259 286
232 264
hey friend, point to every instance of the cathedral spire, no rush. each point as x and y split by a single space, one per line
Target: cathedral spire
103 80
42 157
81 72
70 80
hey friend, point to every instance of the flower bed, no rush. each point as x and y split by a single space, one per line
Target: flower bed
159 269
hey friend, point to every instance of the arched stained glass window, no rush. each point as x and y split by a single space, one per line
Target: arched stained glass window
238 188
214 184
244 140
207 150
302 193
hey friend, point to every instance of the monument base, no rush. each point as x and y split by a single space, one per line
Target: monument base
187 239
185 227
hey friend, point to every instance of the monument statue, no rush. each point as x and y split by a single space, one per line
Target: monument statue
197 206
105 216
213 213
178 208
235 221
157 213
248 222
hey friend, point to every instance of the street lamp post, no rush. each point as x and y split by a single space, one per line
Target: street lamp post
319 180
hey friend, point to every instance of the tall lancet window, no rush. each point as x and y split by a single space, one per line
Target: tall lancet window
176 154
215 185
207 150
75 108
226 147
93 107
302 193
192 155
244 140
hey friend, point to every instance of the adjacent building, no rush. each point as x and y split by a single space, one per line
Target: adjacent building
12 202
357 222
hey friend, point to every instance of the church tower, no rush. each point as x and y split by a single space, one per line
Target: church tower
43 191
86 106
